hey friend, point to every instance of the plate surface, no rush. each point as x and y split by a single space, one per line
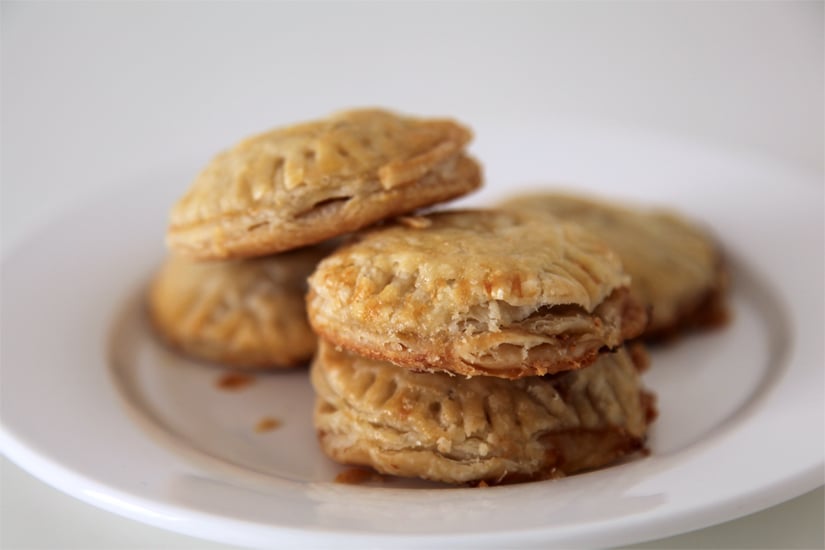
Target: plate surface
93 405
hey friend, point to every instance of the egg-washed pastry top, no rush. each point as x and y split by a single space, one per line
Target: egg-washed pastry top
302 184
474 292
676 268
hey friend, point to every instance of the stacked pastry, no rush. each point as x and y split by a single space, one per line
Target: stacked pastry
244 237
462 346
476 346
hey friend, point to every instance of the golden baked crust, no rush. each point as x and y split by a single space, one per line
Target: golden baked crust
303 184
676 268
505 294
460 430
247 313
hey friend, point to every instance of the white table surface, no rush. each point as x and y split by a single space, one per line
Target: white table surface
94 95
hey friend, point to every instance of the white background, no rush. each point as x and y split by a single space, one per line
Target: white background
96 96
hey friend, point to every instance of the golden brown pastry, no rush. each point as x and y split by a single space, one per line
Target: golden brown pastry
246 313
676 268
303 184
459 430
490 292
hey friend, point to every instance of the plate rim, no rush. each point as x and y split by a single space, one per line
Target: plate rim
44 467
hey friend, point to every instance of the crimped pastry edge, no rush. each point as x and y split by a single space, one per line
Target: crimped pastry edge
568 450
265 232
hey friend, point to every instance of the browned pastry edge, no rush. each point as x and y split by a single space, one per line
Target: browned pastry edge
708 312
567 450
565 458
220 357
261 233
441 356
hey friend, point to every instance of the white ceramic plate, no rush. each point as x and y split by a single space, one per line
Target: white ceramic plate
94 406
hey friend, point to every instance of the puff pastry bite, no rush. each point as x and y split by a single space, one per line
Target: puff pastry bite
676 268
248 313
300 185
459 430
498 293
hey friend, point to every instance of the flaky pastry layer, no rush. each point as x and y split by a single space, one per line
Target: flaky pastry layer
303 184
460 430
489 292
